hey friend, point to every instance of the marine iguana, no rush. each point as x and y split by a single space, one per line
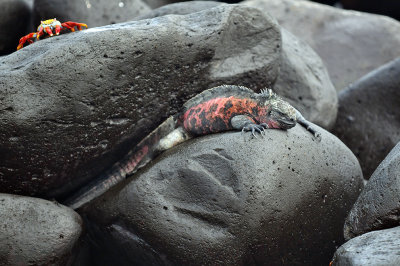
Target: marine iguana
219 109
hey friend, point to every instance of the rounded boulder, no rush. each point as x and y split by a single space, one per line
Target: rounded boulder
36 231
231 199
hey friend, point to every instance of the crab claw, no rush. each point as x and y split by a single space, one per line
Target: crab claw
71 25
26 38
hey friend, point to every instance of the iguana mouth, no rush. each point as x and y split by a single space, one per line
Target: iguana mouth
286 123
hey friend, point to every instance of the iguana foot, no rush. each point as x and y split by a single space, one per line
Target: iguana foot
313 131
317 136
255 128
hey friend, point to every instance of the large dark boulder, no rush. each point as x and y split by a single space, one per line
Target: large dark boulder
378 206
303 79
368 120
350 43
231 199
37 232
74 104
15 21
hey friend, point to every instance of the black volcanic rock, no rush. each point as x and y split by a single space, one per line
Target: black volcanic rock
375 248
303 79
378 206
350 43
74 104
36 231
15 22
231 199
368 120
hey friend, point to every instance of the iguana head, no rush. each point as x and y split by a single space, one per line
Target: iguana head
281 114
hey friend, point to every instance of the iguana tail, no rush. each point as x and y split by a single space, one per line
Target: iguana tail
164 137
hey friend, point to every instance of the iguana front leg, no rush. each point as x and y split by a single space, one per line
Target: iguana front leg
307 125
246 123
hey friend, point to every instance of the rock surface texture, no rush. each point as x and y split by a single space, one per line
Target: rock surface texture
84 98
36 231
374 248
93 13
378 206
280 199
350 43
116 89
182 8
14 23
304 82
368 119
303 79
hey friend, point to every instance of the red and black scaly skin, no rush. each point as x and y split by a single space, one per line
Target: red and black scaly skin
214 116
215 110
227 107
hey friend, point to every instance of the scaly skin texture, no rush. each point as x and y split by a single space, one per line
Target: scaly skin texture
212 111
219 109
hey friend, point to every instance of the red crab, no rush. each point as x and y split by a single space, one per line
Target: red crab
48 26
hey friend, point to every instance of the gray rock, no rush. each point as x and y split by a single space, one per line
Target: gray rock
231 199
74 104
182 8
368 120
159 3
378 206
14 23
36 231
303 79
93 13
374 248
347 41
304 82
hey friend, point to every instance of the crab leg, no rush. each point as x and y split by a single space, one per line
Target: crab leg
71 25
58 29
48 30
26 38
40 33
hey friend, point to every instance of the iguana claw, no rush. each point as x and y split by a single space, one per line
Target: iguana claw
254 128
318 136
